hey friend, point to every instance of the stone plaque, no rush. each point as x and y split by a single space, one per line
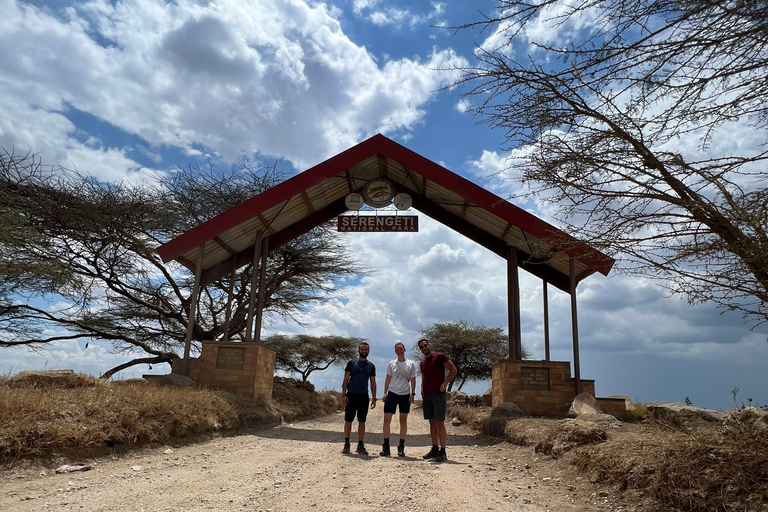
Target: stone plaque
534 378
230 358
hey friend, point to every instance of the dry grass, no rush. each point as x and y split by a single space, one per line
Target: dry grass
702 470
90 417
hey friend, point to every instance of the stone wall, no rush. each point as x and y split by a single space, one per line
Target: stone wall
616 407
245 369
539 388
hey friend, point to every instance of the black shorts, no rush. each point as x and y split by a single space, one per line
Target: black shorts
392 401
356 405
434 406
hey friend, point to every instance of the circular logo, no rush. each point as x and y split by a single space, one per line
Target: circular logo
403 201
354 201
379 192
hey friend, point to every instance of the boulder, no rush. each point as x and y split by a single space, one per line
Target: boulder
37 379
507 410
629 405
681 415
488 398
494 427
583 403
570 434
174 380
459 397
605 420
747 418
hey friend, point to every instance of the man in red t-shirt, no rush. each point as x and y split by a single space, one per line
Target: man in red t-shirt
433 385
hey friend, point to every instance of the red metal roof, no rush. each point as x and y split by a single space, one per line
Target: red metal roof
317 195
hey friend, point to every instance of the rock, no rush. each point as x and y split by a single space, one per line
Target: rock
37 379
72 469
488 398
583 403
174 380
570 434
629 405
746 418
601 419
494 427
507 410
457 422
681 415
138 381
529 431
459 397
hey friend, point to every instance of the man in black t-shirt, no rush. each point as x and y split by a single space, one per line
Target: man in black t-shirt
354 390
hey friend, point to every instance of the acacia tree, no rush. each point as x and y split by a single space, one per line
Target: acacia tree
304 354
93 245
472 348
619 113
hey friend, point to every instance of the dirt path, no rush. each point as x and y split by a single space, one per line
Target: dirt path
299 467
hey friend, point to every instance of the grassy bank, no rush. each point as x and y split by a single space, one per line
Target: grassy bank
81 416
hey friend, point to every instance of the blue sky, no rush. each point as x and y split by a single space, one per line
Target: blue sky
118 89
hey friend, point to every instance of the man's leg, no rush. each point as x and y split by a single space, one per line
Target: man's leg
434 432
403 425
347 433
442 435
361 432
403 433
385 448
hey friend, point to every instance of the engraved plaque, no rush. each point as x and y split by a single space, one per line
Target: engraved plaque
230 358
534 378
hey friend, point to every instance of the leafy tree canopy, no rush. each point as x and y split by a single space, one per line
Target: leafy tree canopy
304 354
72 239
472 348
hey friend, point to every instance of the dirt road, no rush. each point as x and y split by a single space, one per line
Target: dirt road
299 467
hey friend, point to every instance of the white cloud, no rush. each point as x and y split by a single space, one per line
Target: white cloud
395 16
272 76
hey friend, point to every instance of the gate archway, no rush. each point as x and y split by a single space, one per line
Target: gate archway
248 232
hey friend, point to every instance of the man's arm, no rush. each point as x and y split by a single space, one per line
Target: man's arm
344 388
452 371
373 391
386 387
413 390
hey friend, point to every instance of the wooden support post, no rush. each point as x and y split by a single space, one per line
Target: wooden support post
545 293
230 290
252 297
513 305
262 289
192 310
574 327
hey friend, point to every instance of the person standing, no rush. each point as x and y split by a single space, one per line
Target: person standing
434 382
399 391
354 395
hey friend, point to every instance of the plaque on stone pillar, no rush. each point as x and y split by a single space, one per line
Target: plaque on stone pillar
534 378
230 358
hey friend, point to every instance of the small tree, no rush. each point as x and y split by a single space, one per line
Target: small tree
473 349
304 354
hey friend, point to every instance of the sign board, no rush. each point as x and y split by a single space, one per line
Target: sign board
230 358
534 378
378 223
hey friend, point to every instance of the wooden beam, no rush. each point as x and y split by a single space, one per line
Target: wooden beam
223 245
463 213
251 296
383 166
277 240
192 311
230 291
513 305
307 202
350 181
490 242
262 287
545 293
575 328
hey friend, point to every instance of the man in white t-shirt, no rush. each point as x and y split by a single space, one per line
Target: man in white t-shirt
399 391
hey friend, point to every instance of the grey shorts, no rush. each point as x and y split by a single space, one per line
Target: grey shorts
434 406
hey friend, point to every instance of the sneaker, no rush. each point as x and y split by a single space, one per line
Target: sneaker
361 450
346 448
441 457
384 451
400 451
432 454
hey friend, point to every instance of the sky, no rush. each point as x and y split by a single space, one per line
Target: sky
120 89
